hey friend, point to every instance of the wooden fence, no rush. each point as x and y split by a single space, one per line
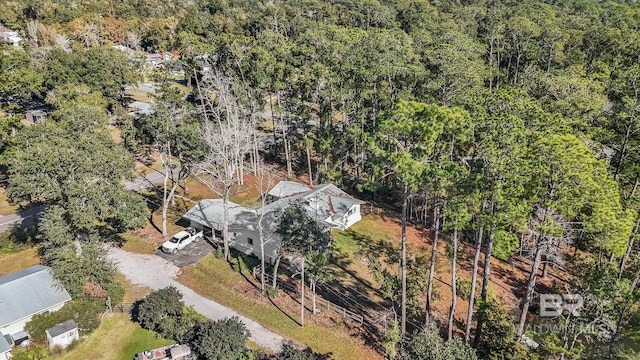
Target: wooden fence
321 302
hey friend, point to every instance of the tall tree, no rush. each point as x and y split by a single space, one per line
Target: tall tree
228 132
410 140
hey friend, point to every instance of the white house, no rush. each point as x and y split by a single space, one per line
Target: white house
5 349
140 108
63 334
325 203
26 293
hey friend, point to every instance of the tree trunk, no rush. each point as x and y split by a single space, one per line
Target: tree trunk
474 276
485 277
623 152
454 296
432 267
274 281
531 285
309 166
627 253
313 296
403 324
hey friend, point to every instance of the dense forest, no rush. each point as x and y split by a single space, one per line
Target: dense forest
513 126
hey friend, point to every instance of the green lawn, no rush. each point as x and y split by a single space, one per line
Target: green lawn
214 278
116 338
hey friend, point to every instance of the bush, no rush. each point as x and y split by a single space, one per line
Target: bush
463 288
223 339
162 311
289 352
428 344
85 313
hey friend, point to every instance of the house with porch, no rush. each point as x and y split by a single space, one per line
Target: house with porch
326 203
24 294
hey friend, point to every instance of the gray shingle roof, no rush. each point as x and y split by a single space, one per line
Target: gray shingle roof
61 328
28 292
210 212
4 345
288 188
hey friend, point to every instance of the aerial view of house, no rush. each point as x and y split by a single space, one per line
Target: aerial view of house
26 293
326 203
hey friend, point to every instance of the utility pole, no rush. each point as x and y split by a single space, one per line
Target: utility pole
302 300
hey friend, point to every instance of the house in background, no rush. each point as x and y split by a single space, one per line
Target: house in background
62 335
140 108
35 116
326 203
26 293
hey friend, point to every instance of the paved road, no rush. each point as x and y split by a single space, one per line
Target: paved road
155 272
25 217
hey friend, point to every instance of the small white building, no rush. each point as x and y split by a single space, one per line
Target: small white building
326 203
26 293
62 335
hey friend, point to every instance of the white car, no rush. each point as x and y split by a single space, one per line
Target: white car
180 240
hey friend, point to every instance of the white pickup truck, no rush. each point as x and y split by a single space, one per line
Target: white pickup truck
181 239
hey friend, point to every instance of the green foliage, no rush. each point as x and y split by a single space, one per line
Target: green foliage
300 233
498 337
79 262
463 288
289 352
35 353
428 344
506 244
102 69
85 313
220 340
163 311
391 339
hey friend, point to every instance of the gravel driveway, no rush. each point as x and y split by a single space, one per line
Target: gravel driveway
155 272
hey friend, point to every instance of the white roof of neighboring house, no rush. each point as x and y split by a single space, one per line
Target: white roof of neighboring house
142 107
28 292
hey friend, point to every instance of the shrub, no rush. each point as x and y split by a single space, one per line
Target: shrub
223 339
85 313
162 311
463 288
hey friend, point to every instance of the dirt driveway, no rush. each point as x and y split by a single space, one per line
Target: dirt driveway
155 272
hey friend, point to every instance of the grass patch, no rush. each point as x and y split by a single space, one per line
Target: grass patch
215 279
19 260
137 245
138 95
116 338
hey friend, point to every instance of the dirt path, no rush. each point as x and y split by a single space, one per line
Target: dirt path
156 273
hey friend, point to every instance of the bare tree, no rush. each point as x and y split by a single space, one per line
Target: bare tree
32 32
548 233
133 40
63 42
227 131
